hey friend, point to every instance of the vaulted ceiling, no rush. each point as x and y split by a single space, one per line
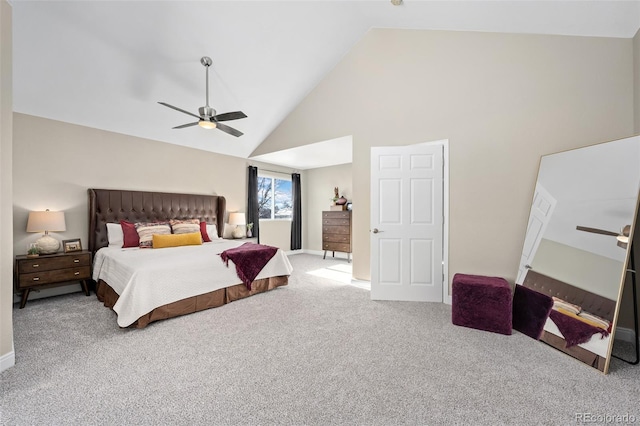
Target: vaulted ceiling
107 64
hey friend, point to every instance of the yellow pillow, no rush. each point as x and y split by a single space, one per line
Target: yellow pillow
176 240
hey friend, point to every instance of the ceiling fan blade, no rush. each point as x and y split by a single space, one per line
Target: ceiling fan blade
597 231
229 130
186 125
230 116
180 109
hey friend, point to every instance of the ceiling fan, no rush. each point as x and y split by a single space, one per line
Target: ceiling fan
208 119
622 237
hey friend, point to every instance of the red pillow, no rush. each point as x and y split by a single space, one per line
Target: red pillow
130 235
203 232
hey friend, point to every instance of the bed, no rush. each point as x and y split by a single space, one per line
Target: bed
596 350
187 279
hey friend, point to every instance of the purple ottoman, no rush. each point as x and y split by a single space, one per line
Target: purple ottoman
530 311
481 302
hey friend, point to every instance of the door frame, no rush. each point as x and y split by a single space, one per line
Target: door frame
446 297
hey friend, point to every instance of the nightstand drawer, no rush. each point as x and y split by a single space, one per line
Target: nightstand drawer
55 276
44 263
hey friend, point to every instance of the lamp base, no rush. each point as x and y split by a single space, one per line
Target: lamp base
238 232
47 245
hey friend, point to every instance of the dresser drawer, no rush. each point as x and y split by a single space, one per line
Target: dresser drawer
344 247
336 238
55 276
52 263
343 230
336 215
336 222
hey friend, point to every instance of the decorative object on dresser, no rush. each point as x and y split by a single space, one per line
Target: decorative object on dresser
33 250
336 232
51 271
72 245
238 220
339 203
45 221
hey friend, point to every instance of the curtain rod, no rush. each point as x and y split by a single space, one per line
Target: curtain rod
275 171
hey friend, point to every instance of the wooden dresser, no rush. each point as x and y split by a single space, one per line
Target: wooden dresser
336 232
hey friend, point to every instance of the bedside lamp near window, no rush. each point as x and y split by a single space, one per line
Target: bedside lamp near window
45 221
238 219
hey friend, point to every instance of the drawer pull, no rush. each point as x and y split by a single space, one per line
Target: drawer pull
36 279
76 273
76 260
35 265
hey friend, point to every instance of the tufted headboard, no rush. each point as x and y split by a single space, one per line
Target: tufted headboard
590 302
112 205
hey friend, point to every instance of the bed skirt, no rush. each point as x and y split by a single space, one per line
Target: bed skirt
193 304
577 352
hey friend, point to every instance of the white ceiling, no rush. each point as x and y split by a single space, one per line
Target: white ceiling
107 64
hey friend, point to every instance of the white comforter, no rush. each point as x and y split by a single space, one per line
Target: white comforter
148 278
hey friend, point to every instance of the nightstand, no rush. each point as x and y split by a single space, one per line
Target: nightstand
51 271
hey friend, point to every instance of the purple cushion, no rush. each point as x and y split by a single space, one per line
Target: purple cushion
480 302
530 311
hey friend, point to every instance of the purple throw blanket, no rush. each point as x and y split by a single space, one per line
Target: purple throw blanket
249 260
575 331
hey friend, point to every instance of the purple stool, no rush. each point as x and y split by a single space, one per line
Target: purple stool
483 303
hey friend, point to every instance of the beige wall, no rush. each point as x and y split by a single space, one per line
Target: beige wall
6 234
319 192
502 101
55 163
588 271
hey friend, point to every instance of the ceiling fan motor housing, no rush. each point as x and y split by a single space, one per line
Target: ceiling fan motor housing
206 111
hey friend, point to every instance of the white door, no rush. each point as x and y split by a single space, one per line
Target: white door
407 223
541 210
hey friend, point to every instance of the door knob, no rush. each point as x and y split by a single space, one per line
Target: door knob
375 230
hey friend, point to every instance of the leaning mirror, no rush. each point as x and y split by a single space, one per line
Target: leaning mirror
576 244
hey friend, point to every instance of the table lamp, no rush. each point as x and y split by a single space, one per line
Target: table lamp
45 221
237 219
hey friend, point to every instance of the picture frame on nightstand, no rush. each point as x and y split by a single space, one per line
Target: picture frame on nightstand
72 245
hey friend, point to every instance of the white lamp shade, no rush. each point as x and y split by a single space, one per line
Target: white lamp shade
237 219
44 221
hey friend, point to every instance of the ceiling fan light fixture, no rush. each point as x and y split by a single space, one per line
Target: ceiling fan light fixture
624 239
205 124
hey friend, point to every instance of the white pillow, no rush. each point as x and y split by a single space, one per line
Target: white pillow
212 231
115 235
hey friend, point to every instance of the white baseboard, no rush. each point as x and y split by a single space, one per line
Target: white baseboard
7 360
625 334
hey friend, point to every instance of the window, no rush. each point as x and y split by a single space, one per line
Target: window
275 200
